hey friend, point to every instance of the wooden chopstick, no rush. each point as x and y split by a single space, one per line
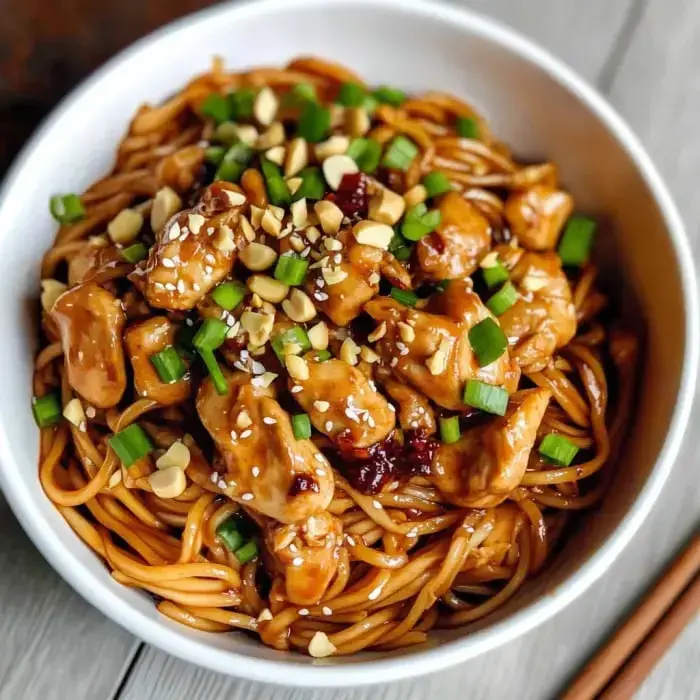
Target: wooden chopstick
607 662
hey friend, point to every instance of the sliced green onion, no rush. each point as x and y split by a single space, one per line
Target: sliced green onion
486 397
299 95
66 208
247 552
228 295
557 449
400 153
169 365
503 299
419 222
577 241
370 104
291 269
241 103
277 189
467 127
390 96
211 335
323 355
294 336
227 133
351 95
495 275
313 184
234 162
214 155
488 341
47 410
217 376
314 123
131 444
216 107
134 253
436 183
301 426
404 253
229 533
449 430
403 296
366 153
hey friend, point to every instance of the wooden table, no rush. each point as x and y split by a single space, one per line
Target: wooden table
644 55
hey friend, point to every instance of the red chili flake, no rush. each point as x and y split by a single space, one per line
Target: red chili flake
303 483
351 196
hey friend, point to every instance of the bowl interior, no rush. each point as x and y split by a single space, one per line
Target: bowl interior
387 42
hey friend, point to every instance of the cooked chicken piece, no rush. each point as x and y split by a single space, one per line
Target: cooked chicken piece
267 468
432 351
195 250
395 272
488 462
544 317
306 553
359 267
95 257
343 404
415 412
508 522
454 249
536 216
90 321
143 340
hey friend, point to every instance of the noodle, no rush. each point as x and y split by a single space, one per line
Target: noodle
410 532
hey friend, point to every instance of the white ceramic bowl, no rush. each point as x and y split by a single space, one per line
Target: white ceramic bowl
536 105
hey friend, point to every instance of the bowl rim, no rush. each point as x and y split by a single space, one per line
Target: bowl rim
159 632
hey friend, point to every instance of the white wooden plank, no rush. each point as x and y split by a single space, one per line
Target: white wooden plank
53 644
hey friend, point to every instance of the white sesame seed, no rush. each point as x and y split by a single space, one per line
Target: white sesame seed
222 484
352 415
269 421
188 321
326 610
320 472
195 286
247 496
246 433
170 286
329 426
181 286
320 458
208 269
167 262
214 477
296 389
210 259
377 504
394 361
392 408
297 561
412 533
321 406
371 422
174 231
234 435
210 230
350 540
255 471
320 296
303 611
373 595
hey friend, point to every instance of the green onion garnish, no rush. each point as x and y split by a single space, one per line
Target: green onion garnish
577 241
291 269
419 222
467 127
211 335
47 410
390 96
366 153
247 552
436 183
370 104
449 430
557 449
217 376
131 444
229 533
403 296
404 253
486 397
227 133
351 95
241 104
214 155
299 95
503 299
495 275
400 153
301 426
228 295
169 365
488 341
134 253
234 162
314 123
277 189
313 184
216 107
66 208
295 336
323 355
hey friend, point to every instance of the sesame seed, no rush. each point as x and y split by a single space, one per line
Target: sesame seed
392 408
320 296
321 406
246 433
293 548
174 231
188 321
303 611
319 457
82 427
371 422
412 533
269 421
214 477
247 496
181 286
377 504
210 259
320 472
195 286
297 561
210 230
375 594
170 286
232 484
159 285
394 361
329 426
167 262
222 484
326 610
350 540
352 415
208 269
296 389
234 435
255 471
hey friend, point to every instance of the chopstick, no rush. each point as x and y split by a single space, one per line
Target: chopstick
636 632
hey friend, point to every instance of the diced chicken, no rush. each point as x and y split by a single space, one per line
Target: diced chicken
94 258
306 553
415 412
395 272
359 267
454 249
435 356
508 521
488 462
196 249
267 468
343 404
143 340
90 321
544 317
536 216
